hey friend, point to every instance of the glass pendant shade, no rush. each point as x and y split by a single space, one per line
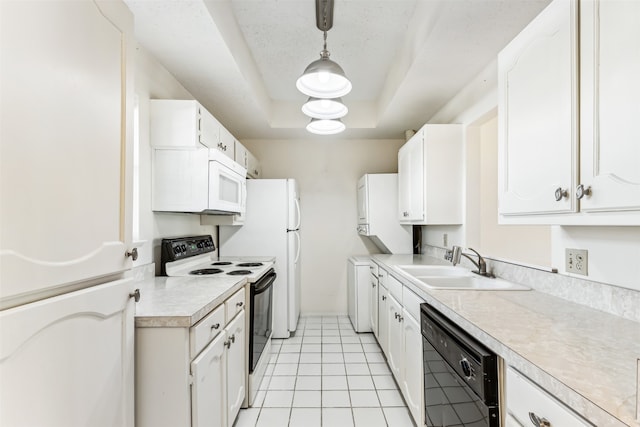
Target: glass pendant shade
324 78
325 127
325 108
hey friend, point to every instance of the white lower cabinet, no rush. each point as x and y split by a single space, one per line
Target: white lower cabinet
373 303
401 342
236 367
395 355
193 377
527 403
383 324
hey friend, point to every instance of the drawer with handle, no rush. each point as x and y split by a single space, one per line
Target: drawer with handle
529 405
235 304
205 330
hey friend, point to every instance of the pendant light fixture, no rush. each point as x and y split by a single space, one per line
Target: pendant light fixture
325 127
325 108
324 81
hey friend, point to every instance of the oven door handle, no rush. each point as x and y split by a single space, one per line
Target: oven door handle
265 283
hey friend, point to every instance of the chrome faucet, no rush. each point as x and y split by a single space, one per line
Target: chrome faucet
455 253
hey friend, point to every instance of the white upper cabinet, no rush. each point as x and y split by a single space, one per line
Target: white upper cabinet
179 123
247 160
609 106
430 170
65 172
537 89
552 170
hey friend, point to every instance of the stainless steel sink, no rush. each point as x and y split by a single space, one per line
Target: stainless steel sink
475 283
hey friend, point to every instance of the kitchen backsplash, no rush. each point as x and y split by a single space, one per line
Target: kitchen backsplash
615 300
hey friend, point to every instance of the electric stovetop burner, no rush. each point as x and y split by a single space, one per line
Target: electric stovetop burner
249 264
205 271
222 263
239 272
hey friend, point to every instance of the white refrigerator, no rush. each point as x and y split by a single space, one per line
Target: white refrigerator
272 228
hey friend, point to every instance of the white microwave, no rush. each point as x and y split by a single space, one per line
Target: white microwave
201 180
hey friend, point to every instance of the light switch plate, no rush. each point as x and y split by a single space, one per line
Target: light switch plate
576 261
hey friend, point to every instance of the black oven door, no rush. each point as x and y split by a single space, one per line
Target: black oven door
261 316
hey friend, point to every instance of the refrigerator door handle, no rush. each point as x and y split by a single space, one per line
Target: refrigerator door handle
297 247
297 202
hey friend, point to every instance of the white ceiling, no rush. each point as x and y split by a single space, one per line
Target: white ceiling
405 58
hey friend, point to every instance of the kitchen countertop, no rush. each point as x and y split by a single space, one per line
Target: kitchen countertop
586 358
182 301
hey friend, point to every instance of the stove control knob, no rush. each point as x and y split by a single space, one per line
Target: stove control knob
184 248
466 368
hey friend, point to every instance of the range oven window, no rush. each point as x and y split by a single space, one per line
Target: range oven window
261 317
460 376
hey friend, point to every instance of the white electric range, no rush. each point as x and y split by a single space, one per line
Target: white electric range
194 256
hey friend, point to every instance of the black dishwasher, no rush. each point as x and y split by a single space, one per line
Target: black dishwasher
460 375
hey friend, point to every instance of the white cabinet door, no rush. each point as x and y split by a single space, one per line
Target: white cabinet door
363 202
68 360
412 387
395 356
67 95
383 324
209 388
609 107
227 143
411 180
537 90
373 304
241 155
236 366
254 169
209 127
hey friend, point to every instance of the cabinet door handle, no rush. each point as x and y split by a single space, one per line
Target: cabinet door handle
227 344
239 304
561 194
581 191
396 316
384 298
373 285
233 338
405 214
133 254
215 326
537 421
380 275
135 295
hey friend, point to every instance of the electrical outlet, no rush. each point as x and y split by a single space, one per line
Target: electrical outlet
445 240
576 261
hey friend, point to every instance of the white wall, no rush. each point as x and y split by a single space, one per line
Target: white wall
153 81
327 173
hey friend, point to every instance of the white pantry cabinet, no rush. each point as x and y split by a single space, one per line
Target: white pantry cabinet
65 171
550 170
430 171
193 377
68 360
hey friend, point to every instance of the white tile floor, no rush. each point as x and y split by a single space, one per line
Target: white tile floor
327 375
